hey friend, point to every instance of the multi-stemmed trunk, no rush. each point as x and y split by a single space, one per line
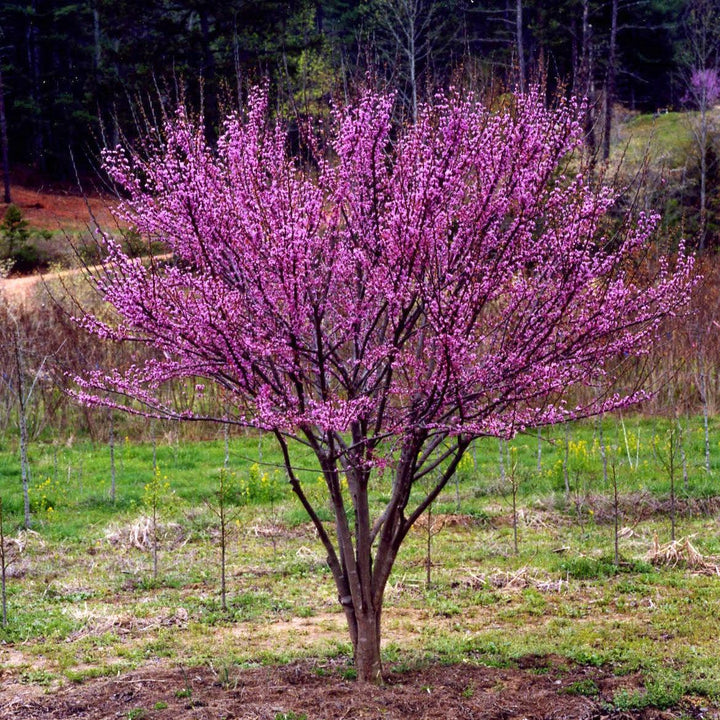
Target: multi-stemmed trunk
362 553
364 628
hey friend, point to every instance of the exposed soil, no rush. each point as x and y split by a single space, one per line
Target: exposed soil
20 289
59 210
53 210
542 688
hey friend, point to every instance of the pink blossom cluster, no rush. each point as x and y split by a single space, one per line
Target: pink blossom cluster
704 89
455 276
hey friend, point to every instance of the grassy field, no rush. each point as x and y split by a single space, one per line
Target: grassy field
83 601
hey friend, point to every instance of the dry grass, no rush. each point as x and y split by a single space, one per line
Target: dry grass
520 579
684 554
139 534
443 520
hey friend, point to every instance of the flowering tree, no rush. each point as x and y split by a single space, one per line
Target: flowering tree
704 87
407 290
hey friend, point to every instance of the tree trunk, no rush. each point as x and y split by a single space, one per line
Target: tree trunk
3 567
703 174
4 144
22 421
223 559
33 51
586 74
706 413
412 60
520 44
208 76
112 456
366 646
610 80
565 463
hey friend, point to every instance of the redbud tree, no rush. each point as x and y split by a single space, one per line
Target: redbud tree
383 297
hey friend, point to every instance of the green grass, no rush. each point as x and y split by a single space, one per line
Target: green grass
83 603
666 139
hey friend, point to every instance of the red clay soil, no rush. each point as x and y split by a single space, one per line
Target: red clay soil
546 688
60 209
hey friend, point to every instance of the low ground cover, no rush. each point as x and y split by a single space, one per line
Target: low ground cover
83 602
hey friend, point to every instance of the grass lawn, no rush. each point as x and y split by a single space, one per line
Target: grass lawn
83 602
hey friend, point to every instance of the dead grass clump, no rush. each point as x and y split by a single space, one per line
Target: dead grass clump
23 540
275 529
636 505
443 520
404 587
683 553
16 566
125 625
514 580
310 556
139 534
17 569
536 518
642 506
268 530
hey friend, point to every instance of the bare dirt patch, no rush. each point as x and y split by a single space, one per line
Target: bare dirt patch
55 210
20 289
543 688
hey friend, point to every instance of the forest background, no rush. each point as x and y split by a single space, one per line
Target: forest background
76 77
75 74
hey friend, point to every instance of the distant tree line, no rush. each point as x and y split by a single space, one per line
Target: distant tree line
77 75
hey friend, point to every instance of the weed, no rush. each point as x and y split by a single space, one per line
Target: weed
157 498
588 568
37 677
80 676
628 700
226 674
582 687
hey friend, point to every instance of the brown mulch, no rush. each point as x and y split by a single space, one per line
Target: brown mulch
540 688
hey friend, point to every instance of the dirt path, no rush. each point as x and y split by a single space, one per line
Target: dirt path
53 211
19 289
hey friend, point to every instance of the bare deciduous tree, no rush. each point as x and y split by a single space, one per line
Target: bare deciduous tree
701 63
409 33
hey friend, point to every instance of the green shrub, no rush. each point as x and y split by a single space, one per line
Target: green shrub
14 232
